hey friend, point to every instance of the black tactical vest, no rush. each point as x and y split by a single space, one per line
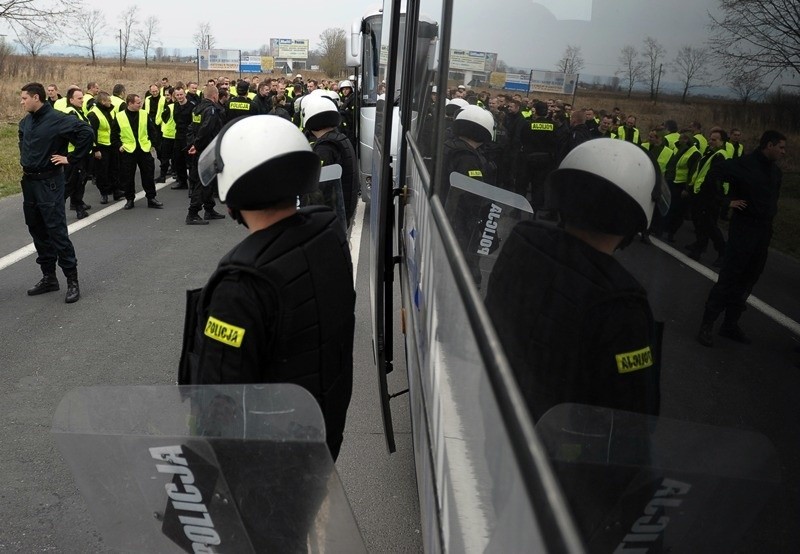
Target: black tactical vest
349 177
304 268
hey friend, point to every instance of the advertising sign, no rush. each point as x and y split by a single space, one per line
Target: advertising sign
250 64
218 60
288 48
472 60
548 82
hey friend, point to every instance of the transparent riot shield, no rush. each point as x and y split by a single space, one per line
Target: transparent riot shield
233 468
482 216
638 483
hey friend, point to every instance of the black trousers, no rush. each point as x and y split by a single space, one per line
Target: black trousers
200 197
745 258
165 154
180 161
43 206
705 215
147 167
102 170
75 187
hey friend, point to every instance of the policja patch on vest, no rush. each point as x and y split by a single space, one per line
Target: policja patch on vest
634 361
224 332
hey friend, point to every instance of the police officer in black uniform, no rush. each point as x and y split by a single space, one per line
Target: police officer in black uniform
280 307
541 144
43 137
467 153
575 325
321 118
184 105
240 105
208 117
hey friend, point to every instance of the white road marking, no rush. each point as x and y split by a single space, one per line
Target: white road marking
25 251
779 317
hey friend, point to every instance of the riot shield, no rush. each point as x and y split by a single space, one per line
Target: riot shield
638 483
233 468
482 216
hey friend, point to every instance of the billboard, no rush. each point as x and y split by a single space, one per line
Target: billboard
218 60
472 60
250 64
288 48
548 82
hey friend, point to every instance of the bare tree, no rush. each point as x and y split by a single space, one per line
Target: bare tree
632 69
653 55
761 35
264 50
28 13
146 36
332 51
748 85
572 60
33 39
689 65
128 21
160 53
203 39
176 54
89 27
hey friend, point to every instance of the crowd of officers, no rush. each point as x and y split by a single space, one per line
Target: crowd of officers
531 137
179 121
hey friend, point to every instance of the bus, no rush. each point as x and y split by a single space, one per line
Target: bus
491 476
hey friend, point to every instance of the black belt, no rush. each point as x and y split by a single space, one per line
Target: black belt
41 175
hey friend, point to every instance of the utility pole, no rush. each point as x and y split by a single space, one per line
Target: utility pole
658 81
120 49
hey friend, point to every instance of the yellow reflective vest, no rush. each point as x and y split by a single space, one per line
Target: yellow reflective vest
682 167
702 172
126 132
104 130
168 127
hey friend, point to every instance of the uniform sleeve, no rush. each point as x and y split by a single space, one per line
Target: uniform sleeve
620 358
80 134
232 339
327 154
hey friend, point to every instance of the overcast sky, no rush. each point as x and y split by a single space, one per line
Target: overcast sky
524 32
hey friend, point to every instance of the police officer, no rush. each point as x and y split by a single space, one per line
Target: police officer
679 175
321 118
75 173
43 137
467 153
706 199
755 188
101 118
182 116
136 132
240 105
574 324
347 110
208 118
280 307
541 144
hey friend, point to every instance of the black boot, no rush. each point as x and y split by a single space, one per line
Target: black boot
73 290
48 283
161 179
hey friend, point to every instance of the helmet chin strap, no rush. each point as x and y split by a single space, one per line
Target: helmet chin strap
237 216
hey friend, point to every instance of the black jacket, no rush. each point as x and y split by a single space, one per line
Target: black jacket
756 180
183 119
47 132
212 119
574 324
287 317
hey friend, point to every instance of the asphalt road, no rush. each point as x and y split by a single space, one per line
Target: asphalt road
126 330
134 268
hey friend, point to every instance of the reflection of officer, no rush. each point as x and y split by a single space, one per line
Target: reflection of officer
575 325
280 307
540 147
466 154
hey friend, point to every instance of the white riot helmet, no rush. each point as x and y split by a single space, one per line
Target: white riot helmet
452 107
475 123
259 160
332 95
345 83
610 186
319 112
